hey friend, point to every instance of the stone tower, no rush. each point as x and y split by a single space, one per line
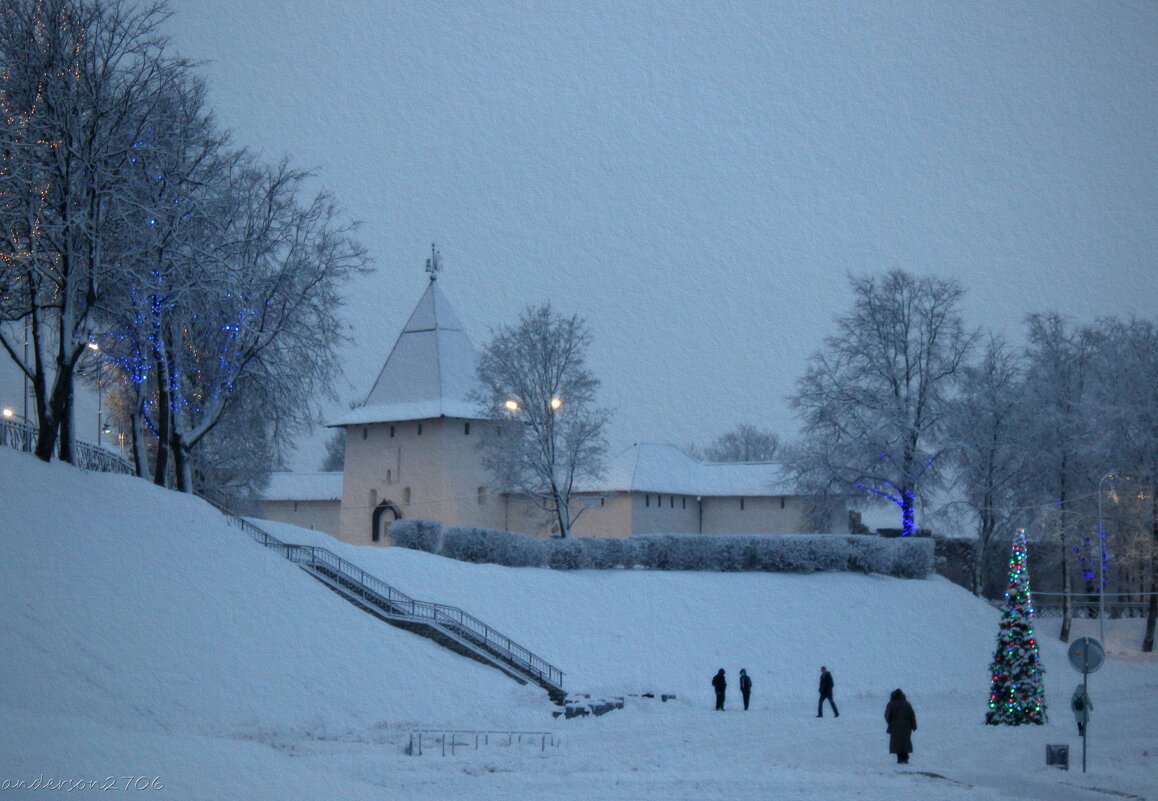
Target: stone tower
411 446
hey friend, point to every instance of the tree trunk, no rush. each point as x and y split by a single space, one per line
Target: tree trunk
164 424
984 535
1067 608
1152 608
908 513
182 465
562 513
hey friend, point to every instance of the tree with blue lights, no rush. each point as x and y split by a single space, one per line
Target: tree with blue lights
240 320
873 402
81 84
1017 693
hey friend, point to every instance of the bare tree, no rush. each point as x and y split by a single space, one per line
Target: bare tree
534 376
1123 396
1058 432
873 402
272 319
177 190
744 443
83 81
335 458
984 430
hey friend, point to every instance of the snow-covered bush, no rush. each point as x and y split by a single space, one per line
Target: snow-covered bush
908 557
418 535
566 554
609 553
471 544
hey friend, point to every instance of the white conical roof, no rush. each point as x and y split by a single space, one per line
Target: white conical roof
430 370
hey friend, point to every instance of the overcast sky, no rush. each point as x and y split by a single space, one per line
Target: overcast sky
698 179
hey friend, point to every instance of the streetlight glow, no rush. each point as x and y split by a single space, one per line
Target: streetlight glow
556 404
9 412
512 405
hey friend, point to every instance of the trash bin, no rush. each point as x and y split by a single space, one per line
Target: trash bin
1058 755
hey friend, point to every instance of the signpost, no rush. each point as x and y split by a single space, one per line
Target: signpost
1086 654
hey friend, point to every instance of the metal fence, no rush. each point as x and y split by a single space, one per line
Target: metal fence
450 741
21 435
1114 605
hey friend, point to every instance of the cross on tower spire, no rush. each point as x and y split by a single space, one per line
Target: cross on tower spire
434 263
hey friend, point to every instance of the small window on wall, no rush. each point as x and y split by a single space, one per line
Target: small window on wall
406 495
602 501
420 429
647 500
781 501
365 433
389 476
684 501
466 429
671 504
741 503
482 492
391 431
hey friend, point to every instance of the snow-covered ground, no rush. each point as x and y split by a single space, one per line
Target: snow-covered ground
146 643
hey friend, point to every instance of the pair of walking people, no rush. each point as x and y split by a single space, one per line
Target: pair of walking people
720 685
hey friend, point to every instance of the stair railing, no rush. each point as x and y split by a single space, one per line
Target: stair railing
450 617
447 617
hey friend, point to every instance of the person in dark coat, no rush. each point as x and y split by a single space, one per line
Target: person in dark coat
902 723
745 687
1082 706
826 683
721 685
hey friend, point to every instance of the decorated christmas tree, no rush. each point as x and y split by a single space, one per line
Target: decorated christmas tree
1017 694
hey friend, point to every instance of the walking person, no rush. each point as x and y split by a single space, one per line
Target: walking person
902 723
1082 706
826 684
721 685
745 687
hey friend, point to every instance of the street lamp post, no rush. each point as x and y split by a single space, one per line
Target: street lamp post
93 346
1101 561
107 428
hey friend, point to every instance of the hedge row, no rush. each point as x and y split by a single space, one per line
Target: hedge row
909 557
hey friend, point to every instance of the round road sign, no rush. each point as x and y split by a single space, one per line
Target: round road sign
1086 654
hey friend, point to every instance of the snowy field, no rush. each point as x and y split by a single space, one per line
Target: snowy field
148 646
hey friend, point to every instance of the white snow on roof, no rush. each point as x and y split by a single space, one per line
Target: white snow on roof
303 487
429 372
652 467
396 412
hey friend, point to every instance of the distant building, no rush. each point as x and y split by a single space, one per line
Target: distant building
411 451
309 500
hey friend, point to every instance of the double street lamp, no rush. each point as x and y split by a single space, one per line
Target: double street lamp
512 405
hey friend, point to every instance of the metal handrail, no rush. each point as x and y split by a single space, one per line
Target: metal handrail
441 614
450 617
21 435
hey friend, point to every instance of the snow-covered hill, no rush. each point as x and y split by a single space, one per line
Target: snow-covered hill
144 639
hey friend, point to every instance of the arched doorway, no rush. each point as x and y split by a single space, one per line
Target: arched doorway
385 513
